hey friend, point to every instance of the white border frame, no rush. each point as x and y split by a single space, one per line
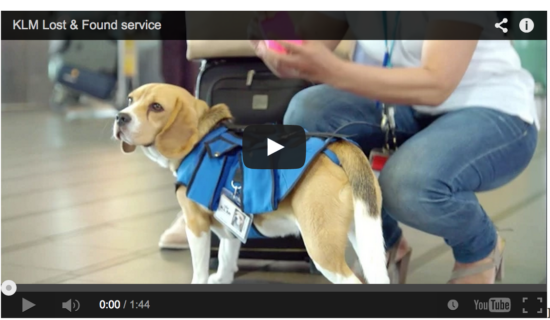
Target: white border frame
236 5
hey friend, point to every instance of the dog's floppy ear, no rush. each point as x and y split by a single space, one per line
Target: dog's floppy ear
127 148
179 135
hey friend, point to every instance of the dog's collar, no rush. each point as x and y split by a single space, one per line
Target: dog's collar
228 122
223 122
231 126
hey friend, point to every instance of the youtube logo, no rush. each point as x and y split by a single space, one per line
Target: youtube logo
274 147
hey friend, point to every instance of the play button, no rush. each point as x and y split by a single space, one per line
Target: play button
273 147
27 305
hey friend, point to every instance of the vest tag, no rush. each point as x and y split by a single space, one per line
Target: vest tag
232 217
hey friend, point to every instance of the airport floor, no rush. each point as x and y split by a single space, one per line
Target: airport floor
76 210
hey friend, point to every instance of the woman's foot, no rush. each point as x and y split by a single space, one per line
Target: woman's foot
398 258
485 271
402 249
175 237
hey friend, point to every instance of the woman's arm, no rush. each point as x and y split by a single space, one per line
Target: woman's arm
444 63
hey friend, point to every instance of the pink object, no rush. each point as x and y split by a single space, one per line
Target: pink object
273 45
279 26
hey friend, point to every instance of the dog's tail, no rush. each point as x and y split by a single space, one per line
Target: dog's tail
366 237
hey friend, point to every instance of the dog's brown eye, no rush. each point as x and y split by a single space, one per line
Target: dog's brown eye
130 100
156 107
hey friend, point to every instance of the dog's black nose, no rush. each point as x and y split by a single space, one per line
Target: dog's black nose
122 118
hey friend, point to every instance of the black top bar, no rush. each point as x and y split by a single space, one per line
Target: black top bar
242 25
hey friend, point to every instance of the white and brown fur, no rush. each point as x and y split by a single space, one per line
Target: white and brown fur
330 205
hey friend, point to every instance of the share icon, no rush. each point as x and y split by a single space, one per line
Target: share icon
498 25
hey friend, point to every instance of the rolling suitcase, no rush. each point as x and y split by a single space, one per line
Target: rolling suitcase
81 67
96 84
96 56
254 96
253 93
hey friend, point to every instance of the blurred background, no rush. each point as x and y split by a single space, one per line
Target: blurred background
76 210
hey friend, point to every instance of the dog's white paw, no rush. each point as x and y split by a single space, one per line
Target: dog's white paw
199 281
220 278
381 278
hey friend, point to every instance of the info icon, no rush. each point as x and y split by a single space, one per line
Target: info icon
526 25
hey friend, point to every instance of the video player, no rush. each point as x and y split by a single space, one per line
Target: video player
368 163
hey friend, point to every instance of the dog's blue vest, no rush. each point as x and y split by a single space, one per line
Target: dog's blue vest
216 161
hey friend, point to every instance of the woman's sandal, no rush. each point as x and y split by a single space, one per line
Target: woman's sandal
497 264
397 269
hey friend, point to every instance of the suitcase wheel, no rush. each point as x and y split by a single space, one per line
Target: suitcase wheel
214 264
313 269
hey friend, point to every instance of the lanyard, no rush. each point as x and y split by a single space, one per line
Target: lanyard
389 50
388 121
386 62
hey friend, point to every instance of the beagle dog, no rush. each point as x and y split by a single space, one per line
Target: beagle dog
329 205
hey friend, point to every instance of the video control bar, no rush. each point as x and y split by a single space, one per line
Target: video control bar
274 304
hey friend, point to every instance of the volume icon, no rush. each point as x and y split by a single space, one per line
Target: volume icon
71 305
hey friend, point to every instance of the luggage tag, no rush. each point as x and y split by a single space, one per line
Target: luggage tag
229 214
378 158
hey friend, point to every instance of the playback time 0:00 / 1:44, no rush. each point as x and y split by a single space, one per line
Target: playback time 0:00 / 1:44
117 304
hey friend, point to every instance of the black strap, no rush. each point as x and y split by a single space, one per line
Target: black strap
234 127
238 177
261 144
327 135
240 128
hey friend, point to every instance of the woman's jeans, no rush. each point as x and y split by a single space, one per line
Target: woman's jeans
429 183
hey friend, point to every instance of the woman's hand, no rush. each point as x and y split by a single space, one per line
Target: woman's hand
257 37
311 60
271 59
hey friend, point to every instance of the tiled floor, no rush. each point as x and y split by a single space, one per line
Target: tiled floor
76 210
